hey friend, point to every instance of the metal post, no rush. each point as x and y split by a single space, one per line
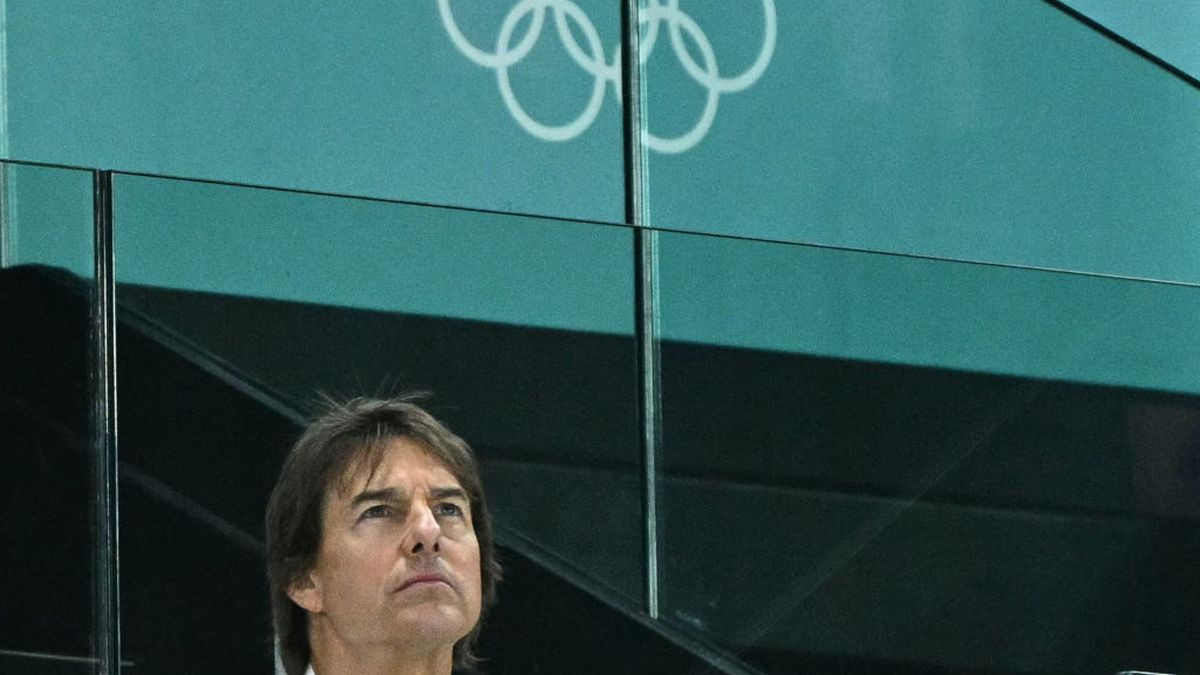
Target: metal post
106 600
645 286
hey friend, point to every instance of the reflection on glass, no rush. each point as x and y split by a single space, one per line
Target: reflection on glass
239 305
876 462
46 487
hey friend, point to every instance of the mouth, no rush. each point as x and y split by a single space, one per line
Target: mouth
423 580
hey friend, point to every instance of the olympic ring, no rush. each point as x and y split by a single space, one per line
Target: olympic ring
592 60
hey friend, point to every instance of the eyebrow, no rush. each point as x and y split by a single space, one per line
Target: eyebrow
449 493
380 495
392 494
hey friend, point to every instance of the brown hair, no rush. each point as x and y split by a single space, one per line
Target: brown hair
349 436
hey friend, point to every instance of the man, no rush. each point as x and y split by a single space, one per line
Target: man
379 545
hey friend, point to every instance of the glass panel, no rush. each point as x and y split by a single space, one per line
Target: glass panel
448 101
977 130
47 218
880 463
46 488
239 304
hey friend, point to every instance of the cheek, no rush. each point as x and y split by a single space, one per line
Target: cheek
350 568
472 573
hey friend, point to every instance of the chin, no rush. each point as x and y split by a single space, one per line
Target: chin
439 627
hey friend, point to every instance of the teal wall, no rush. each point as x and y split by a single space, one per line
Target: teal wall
995 131
369 98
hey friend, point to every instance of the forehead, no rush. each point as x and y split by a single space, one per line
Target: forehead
398 461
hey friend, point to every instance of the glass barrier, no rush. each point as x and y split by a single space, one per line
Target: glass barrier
47 493
882 463
448 102
975 130
47 218
239 305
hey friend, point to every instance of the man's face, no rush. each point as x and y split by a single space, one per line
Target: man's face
398 564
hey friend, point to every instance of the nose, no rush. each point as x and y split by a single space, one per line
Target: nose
424 532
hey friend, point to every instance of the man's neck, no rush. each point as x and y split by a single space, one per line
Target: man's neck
334 657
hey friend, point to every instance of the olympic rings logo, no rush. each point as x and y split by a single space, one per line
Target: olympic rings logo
654 15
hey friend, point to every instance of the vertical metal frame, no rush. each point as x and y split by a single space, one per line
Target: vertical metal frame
106 589
645 287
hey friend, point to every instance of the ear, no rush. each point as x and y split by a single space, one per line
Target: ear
306 592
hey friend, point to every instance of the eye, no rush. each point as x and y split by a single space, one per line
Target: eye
377 511
448 509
